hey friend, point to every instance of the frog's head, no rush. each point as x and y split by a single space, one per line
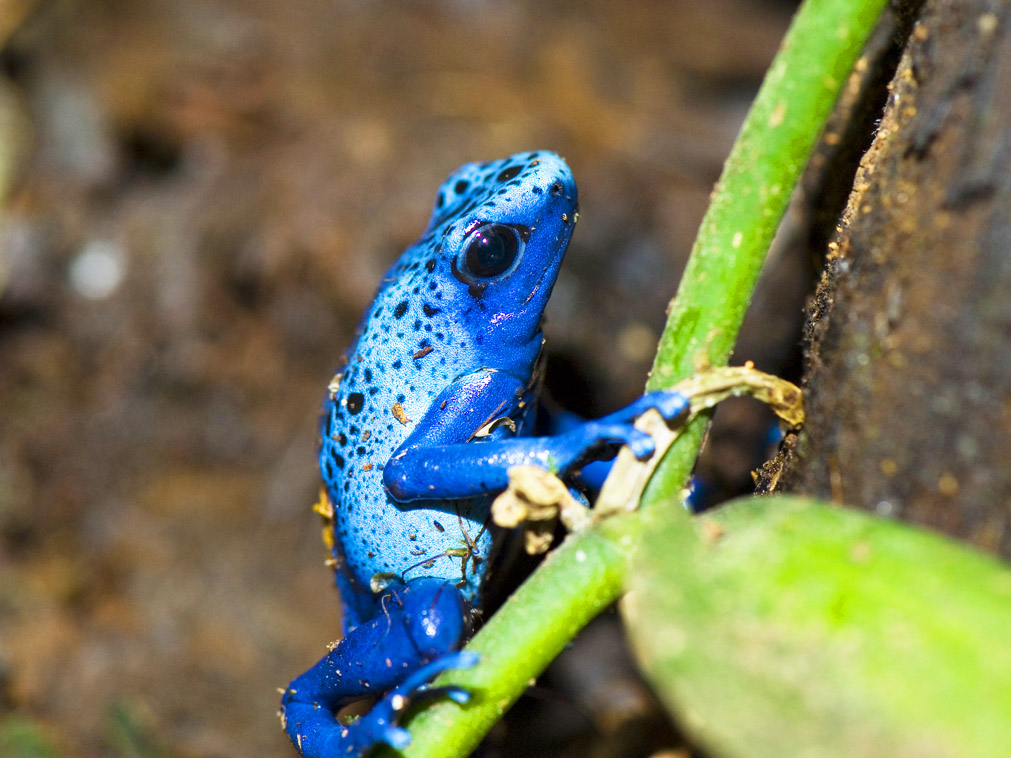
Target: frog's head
500 231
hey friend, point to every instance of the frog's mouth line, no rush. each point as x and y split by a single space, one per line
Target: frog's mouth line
562 247
537 286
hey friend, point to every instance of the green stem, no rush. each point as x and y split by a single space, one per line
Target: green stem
765 164
586 573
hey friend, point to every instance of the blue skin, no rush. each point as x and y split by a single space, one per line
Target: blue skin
451 344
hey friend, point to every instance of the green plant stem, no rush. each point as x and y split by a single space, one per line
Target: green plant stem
765 164
586 573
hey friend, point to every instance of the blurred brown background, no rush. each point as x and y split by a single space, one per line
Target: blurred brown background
204 196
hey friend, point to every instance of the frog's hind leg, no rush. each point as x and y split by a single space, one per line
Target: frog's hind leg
397 652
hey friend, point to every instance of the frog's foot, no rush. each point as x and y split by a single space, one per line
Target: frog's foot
380 723
670 404
618 427
318 734
394 655
594 434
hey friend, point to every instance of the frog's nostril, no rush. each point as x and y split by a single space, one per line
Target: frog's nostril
557 189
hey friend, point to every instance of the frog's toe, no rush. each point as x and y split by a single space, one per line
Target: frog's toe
461 659
457 694
674 405
396 737
641 445
381 722
671 404
465 659
639 442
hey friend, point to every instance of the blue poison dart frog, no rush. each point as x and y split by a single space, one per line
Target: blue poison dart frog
436 400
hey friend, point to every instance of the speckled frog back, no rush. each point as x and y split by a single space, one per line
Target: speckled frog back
431 323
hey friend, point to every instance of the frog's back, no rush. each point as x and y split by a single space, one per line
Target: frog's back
427 326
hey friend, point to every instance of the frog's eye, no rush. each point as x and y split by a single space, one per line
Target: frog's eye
492 250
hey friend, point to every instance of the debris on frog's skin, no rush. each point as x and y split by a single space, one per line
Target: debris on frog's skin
324 508
537 499
380 581
400 414
334 385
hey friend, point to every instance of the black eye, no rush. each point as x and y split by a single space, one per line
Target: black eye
492 251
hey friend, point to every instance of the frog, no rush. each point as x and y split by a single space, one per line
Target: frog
437 398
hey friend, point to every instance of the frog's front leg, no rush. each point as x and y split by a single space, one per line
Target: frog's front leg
398 652
429 467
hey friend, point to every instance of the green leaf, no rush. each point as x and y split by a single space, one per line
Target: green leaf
785 626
